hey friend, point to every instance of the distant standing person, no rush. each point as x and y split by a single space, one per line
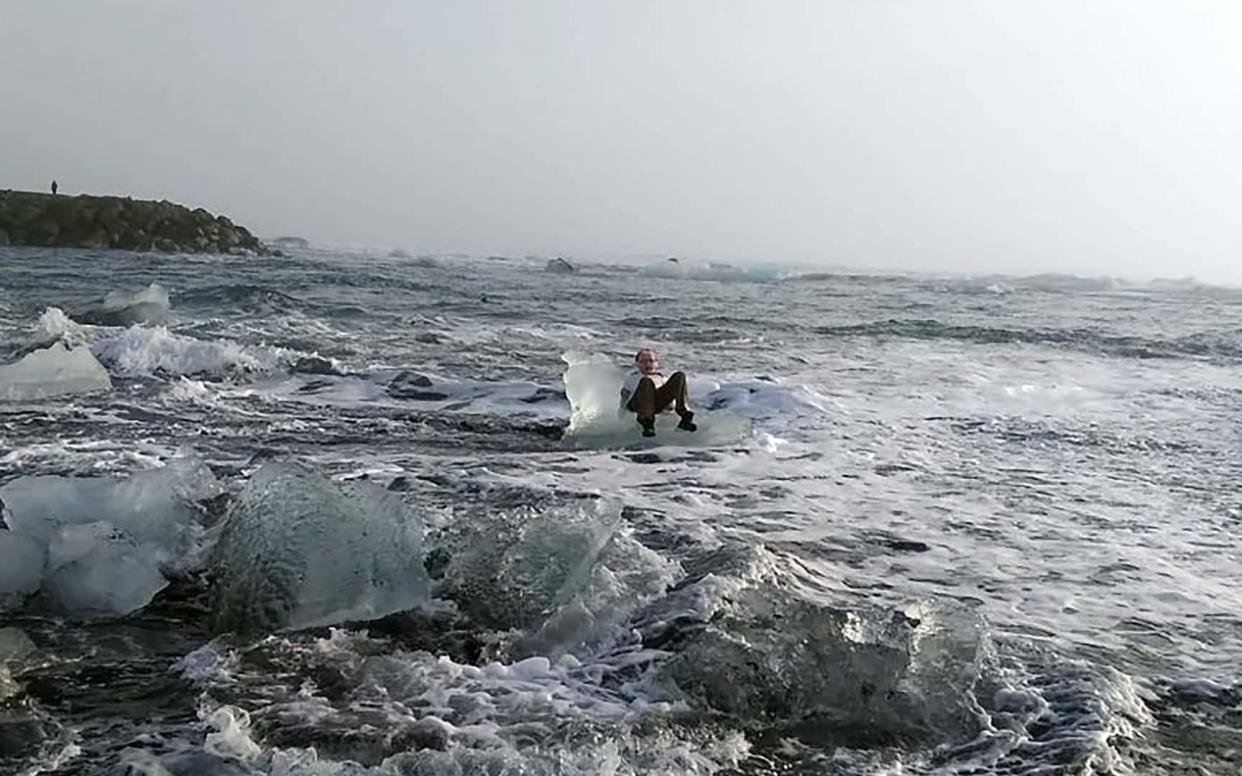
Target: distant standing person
54 188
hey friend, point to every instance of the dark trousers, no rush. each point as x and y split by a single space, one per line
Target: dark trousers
648 400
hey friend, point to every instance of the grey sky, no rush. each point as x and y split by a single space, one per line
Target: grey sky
1050 135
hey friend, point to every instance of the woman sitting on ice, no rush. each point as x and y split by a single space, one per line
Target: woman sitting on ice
646 392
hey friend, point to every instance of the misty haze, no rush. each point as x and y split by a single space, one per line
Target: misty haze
976 137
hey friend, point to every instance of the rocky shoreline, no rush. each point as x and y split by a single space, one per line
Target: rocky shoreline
121 223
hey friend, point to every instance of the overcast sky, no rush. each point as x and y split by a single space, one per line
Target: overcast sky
1084 136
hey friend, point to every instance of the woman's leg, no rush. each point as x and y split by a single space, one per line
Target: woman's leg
672 392
644 402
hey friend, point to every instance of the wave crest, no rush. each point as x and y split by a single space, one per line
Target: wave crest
140 351
1199 345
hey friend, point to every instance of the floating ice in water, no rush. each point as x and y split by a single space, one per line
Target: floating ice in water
593 386
15 645
21 564
53 324
96 568
153 296
122 308
299 551
139 351
107 541
55 371
562 575
760 651
155 507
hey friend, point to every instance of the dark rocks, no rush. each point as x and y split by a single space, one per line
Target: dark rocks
416 395
545 394
316 365
560 266
411 378
906 545
411 385
98 223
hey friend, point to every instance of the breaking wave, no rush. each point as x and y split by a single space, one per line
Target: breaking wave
141 351
1207 345
241 297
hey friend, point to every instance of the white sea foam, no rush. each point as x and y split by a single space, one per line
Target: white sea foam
192 391
489 718
140 351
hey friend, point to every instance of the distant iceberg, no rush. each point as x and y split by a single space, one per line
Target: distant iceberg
682 269
122 308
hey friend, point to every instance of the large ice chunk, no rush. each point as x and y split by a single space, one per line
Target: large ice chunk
55 325
299 551
593 386
103 544
54 371
122 308
561 576
859 676
157 508
96 568
21 564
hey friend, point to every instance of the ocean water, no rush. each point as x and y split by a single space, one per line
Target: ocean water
336 514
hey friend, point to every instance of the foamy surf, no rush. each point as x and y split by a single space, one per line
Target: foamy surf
935 544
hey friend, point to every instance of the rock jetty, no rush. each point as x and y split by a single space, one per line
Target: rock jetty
30 218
